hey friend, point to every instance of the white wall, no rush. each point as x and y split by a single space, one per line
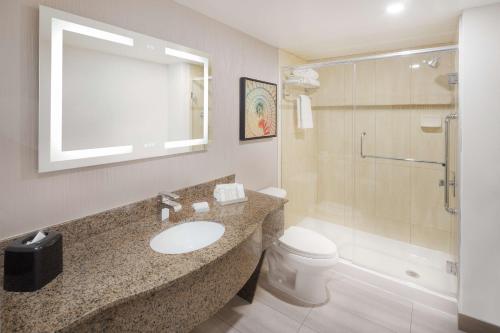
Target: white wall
480 163
29 200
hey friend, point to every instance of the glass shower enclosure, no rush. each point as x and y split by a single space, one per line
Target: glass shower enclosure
376 172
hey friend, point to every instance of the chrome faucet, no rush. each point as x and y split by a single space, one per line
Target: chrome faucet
168 199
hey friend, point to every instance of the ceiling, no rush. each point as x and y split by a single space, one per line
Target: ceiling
314 29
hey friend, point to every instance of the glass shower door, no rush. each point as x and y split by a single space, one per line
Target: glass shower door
333 107
401 227
317 163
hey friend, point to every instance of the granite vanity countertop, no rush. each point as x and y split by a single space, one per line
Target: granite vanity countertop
117 265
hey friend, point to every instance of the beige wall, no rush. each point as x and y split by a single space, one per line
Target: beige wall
398 200
29 200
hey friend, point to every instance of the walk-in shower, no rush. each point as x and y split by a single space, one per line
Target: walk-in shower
376 173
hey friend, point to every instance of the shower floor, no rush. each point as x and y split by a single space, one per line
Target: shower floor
406 262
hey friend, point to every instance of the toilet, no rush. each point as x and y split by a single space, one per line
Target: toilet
299 260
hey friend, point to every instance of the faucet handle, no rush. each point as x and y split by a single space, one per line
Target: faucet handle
170 195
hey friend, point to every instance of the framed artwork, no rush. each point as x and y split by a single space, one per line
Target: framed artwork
258 109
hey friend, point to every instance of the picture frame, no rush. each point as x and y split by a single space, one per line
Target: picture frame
258 109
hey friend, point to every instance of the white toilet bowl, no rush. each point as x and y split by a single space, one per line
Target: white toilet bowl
299 260
298 263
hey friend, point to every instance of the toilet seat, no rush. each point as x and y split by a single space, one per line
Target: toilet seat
307 243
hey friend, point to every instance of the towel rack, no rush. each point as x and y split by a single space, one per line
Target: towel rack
363 155
290 91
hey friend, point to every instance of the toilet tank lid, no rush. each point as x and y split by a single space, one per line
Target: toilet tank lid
274 191
308 243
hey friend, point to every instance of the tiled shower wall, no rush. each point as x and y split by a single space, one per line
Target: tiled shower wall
322 169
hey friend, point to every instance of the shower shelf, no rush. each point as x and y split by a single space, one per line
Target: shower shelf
291 86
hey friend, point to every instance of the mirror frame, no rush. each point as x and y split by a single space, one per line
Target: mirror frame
51 156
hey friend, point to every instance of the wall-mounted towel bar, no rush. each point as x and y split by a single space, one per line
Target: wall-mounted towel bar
363 155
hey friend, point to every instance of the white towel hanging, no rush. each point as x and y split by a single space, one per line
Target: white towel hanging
304 112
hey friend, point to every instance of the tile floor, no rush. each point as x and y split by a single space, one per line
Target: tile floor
353 307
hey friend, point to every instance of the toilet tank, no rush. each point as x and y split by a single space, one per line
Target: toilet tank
274 191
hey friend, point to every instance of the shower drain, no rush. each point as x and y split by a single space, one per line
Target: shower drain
412 274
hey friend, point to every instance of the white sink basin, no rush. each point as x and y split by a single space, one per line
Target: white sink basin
187 237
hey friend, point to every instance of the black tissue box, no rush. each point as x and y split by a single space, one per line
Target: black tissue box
30 267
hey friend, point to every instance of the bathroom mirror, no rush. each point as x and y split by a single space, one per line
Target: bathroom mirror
108 95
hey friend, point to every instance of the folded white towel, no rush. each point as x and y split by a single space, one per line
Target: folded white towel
304 112
306 73
303 81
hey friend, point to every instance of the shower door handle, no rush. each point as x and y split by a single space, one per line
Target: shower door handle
450 183
447 182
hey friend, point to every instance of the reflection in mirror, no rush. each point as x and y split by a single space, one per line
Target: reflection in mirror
112 95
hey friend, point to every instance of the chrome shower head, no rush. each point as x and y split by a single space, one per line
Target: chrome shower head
433 63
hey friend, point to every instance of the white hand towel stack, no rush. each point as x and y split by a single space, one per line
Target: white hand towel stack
304 76
304 112
229 192
306 73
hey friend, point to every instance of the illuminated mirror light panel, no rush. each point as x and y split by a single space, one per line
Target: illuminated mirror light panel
52 156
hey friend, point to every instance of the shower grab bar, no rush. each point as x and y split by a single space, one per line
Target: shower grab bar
447 182
363 155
